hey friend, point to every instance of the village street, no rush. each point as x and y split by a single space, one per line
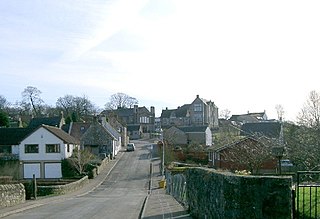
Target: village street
120 195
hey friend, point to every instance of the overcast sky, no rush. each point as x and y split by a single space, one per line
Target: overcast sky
243 55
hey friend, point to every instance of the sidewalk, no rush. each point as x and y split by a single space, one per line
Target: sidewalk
159 204
93 183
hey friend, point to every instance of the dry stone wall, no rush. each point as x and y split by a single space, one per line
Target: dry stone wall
12 194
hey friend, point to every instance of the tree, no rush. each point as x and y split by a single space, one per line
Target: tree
75 107
225 114
80 158
303 139
3 102
121 100
4 119
31 99
280 111
310 113
249 153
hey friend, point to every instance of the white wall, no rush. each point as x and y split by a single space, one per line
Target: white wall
42 137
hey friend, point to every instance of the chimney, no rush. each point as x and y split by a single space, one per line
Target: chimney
152 109
197 95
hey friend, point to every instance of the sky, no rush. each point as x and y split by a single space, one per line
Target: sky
243 55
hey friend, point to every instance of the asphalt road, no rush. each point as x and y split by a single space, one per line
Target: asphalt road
120 195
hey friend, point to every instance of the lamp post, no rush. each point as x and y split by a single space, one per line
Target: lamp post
162 164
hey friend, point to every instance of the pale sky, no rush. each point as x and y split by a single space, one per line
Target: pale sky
243 55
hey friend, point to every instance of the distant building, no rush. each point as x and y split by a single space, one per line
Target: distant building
200 112
134 116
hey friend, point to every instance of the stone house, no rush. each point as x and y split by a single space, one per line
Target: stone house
200 112
134 116
188 135
101 139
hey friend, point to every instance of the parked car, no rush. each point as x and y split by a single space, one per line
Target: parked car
131 147
286 163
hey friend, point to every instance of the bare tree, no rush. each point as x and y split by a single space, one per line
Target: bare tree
280 111
310 113
121 100
225 114
31 97
3 102
249 153
80 158
73 105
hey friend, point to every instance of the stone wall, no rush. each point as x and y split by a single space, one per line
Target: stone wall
62 189
213 194
12 194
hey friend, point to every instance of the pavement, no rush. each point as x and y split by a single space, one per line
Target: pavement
157 204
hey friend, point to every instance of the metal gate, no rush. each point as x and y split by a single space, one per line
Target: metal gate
307 196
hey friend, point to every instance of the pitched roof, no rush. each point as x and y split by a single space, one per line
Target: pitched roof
179 112
189 129
76 129
268 129
13 136
51 121
60 134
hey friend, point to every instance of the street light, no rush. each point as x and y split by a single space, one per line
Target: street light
162 164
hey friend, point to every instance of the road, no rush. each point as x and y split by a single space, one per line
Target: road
120 195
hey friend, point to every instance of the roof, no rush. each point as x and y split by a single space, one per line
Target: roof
13 136
60 134
97 134
179 112
111 130
189 129
76 129
268 129
51 121
131 128
243 118
234 144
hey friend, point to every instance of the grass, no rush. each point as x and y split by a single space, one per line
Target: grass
309 202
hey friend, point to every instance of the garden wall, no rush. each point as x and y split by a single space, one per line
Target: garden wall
213 194
62 189
12 194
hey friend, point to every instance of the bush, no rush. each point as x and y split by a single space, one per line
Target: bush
68 171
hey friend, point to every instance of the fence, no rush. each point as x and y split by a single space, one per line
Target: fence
307 202
176 186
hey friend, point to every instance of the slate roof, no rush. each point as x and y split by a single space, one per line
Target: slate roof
13 136
268 129
51 121
61 134
179 112
194 129
131 128
76 129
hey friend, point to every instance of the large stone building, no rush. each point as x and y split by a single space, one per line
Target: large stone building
200 112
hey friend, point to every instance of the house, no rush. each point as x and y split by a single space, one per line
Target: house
10 139
187 135
268 129
41 152
134 131
253 154
134 116
117 125
101 139
249 118
56 121
200 112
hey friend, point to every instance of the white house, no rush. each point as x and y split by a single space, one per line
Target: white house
41 152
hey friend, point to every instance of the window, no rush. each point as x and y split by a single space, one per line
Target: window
68 148
52 148
197 107
31 148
